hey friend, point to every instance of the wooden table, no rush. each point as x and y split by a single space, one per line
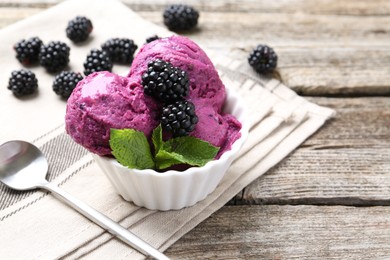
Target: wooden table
330 198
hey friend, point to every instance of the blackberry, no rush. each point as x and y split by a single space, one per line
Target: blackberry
65 82
165 82
79 29
179 17
120 50
27 51
97 60
22 82
263 59
54 56
179 118
152 38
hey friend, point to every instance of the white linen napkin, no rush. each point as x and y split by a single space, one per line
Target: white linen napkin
35 225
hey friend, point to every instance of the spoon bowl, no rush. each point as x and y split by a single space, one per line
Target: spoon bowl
24 167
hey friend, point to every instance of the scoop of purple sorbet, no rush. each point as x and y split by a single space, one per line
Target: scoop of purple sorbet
207 91
220 130
103 101
185 54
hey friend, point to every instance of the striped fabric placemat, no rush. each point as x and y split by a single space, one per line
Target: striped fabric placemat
35 225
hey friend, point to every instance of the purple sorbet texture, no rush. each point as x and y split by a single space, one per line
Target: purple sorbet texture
207 91
183 53
104 100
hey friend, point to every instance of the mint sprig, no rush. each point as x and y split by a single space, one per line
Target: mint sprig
188 150
157 138
131 149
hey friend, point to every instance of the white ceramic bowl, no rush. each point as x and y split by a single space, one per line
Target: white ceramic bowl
175 189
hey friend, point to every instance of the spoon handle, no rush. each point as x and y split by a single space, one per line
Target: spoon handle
105 222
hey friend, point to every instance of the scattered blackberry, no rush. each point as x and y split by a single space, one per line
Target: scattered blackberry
65 82
179 17
165 82
79 29
120 50
22 82
263 59
54 56
152 38
179 118
97 60
27 51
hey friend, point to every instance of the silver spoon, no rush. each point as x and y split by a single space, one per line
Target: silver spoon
24 167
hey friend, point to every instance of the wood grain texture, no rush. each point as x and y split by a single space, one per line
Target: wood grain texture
10 15
318 54
326 48
347 162
336 7
343 7
288 232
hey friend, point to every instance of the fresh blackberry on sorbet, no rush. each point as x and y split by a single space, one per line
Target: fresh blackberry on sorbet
179 118
152 38
120 50
178 17
263 59
22 82
78 29
165 82
54 56
27 51
65 82
97 60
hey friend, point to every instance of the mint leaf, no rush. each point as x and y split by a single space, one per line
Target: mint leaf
157 138
187 150
131 148
166 159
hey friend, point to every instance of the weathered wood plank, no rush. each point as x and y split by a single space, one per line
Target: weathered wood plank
286 232
347 162
288 29
9 15
318 54
343 7
337 7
